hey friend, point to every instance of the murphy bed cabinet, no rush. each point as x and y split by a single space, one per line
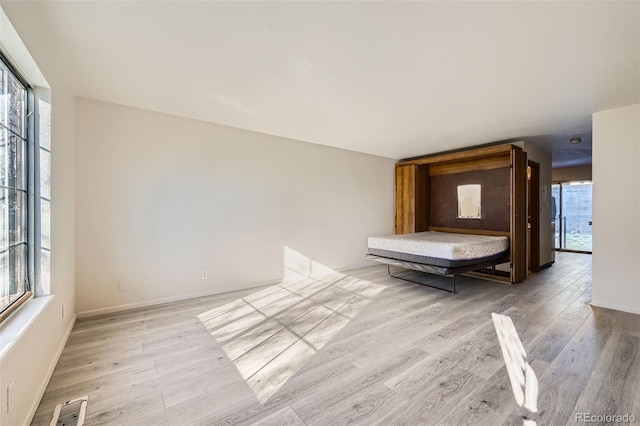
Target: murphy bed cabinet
426 200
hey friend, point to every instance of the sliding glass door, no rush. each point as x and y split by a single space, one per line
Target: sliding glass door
571 210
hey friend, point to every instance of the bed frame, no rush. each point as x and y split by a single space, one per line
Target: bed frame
489 262
426 200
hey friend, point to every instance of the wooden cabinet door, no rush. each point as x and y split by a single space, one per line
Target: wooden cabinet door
518 215
405 199
412 199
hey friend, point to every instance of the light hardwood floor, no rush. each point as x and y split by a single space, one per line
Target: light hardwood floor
361 349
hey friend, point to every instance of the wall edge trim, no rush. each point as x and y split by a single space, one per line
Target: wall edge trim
616 307
52 366
165 300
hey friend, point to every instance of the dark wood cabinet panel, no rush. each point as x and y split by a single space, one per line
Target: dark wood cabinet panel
495 187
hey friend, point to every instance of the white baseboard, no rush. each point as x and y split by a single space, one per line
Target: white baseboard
153 302
47 377
616 307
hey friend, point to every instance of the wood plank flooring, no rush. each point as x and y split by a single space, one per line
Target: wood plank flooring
408 354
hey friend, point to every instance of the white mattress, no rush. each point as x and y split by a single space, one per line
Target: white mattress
442 245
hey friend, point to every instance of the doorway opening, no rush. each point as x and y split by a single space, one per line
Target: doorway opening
571 209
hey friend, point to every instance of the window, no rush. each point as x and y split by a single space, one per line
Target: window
15 166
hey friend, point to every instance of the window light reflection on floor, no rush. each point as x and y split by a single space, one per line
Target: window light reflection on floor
270 334
523 379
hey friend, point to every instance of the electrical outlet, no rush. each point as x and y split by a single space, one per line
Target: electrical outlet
122 286
10 392
205 275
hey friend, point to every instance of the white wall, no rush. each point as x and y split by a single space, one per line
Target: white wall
38 331
563 174
616 202
161 198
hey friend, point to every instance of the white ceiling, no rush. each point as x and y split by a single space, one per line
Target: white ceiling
396 79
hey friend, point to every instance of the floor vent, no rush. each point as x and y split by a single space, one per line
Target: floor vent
71 413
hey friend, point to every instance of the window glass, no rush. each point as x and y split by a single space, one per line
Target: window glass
45 174
17 98
43 285
45 268
44 133
45 230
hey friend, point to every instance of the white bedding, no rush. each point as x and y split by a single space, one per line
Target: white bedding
442 245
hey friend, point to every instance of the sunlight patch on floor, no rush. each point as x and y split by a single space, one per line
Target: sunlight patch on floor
270 334
523 379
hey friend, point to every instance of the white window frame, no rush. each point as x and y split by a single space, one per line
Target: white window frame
32 217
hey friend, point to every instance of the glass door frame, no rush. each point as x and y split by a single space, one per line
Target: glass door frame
559 225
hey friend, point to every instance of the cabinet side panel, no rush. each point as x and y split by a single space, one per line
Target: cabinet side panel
405 199
422 196
518 215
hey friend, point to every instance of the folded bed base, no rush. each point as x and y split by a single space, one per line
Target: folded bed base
490 262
